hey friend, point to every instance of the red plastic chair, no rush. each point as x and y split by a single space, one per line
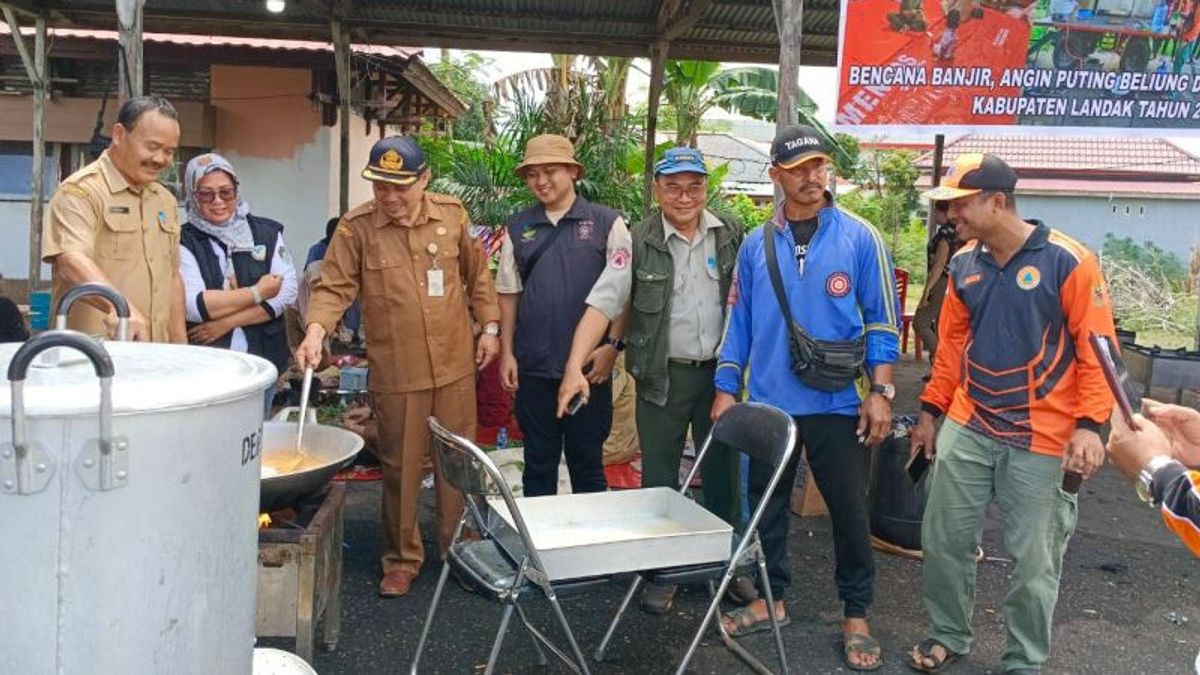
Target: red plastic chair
906 319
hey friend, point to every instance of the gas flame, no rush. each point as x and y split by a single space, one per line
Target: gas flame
264 520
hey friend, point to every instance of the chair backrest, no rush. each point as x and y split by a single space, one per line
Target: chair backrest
901 285
469 470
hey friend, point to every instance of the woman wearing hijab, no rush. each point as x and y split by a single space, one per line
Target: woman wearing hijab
237 275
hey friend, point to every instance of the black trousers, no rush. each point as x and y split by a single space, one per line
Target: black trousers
581 436
840 467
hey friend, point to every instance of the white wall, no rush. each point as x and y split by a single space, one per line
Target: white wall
14 233
1172 224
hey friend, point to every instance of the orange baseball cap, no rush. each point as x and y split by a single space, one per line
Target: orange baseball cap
971 174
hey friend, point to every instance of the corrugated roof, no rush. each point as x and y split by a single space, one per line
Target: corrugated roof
1150 157
720 30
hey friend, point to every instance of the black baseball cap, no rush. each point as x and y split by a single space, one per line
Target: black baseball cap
395 159
974 173
796 144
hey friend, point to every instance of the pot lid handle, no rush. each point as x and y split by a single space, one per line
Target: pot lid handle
108 293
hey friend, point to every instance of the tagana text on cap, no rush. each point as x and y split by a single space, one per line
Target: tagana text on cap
796 144
974 173
395 159
681 160
548 149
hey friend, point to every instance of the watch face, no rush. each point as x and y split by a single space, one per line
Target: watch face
1142 488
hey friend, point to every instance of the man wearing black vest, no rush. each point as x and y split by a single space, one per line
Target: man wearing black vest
551 257
674 289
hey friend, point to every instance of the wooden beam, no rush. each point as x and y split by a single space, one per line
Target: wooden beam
789 16
658 59
129 29
14 26
682 21
37 188
341 55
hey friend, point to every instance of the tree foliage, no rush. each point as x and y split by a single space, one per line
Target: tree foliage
461 76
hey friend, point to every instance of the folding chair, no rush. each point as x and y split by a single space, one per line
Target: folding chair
495 572
766 434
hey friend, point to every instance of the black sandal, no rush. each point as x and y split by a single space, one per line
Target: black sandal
925 649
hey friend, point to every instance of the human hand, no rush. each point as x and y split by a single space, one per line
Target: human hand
924 436
508 372
601 360
208 332
875 419
1131 449
721 402
574 383
486 348
308 354
269 285
1181 426
139 328
1084 453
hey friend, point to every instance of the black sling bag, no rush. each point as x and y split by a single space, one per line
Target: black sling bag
825 365
527 268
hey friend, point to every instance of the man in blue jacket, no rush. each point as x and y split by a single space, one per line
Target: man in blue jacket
836 276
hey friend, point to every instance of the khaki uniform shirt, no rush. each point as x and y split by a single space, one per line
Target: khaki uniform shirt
697 308
132 236
415 340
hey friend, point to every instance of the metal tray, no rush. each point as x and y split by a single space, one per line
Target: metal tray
602 533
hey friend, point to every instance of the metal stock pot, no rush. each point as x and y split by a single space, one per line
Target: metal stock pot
129 507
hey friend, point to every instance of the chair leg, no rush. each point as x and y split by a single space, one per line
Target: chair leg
762 569
612 627
562 619
491 664
437 596
533 635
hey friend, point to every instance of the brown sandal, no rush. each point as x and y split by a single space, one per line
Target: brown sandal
925 649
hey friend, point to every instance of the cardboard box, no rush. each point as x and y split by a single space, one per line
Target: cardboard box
807 499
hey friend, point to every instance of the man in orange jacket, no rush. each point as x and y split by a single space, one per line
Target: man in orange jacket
1024 400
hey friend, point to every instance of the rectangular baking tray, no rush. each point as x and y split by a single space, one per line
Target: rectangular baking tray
602 533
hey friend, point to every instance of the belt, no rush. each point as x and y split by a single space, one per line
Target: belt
694 363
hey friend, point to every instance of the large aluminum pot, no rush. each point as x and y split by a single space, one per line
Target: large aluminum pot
289 477
131 534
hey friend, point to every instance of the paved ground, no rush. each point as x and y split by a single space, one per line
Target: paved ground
1123 576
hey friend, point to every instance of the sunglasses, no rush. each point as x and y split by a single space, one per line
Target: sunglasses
226 194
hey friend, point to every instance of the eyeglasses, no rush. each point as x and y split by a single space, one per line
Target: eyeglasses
674 192
227 194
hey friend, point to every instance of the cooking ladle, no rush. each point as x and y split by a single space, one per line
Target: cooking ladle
305 388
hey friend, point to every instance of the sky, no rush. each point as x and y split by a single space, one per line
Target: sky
819 82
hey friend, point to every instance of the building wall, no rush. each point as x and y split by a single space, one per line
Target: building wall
1172 224
361 140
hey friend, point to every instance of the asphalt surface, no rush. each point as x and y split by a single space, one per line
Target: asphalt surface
1125 578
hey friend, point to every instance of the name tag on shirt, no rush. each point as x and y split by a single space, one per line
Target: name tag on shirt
434 280
118 209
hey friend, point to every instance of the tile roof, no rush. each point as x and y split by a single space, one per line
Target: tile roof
1160 189
1152 157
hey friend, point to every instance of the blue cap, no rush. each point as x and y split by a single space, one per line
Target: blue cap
395 159
681 160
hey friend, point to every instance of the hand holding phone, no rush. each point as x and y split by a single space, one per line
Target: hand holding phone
577 402
917 465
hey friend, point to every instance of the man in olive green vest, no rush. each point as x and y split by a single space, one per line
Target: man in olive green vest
670 287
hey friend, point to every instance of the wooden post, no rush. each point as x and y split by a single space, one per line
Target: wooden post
39 78
341 56
789 18
658 58
129 28
935 179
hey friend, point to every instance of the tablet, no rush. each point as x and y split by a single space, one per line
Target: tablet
1124 389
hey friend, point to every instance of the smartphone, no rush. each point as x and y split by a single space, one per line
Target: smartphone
1124 389
917 465
577 402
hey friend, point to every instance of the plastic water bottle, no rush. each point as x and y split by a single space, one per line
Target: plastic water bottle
1158 23
502 438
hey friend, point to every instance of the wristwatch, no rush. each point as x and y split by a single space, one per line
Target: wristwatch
492 330
887 390
1146 477
618 345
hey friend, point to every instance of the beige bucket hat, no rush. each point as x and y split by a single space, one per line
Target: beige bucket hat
548 149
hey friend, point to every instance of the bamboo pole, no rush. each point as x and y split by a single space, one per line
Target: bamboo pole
341 55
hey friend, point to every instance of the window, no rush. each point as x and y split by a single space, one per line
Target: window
16 170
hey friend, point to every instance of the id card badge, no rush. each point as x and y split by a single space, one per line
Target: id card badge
433 279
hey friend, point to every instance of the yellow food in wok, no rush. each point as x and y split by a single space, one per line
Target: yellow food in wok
289 461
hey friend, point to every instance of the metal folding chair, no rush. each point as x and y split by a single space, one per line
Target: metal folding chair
768 435
500 573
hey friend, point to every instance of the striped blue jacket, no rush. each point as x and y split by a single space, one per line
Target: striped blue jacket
847 288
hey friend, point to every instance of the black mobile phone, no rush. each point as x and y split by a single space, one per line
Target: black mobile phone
577 402
1124 389
917 465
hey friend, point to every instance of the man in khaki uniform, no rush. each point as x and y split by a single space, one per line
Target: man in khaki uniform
112 223
421 279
